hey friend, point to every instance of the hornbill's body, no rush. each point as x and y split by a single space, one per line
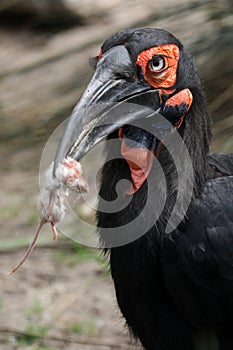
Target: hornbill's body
174 287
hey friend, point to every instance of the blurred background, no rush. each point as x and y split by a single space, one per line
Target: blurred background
63 297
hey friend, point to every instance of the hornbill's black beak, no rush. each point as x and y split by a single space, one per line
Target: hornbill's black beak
102 108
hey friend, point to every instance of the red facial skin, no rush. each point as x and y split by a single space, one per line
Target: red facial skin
166 77
100 54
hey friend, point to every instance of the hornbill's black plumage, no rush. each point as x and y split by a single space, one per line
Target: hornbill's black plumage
174 286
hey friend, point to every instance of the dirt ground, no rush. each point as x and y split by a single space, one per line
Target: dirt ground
51 296
63 291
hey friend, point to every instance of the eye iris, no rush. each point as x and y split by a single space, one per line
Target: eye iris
157 63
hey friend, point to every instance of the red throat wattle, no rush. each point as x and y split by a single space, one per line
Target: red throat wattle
140 161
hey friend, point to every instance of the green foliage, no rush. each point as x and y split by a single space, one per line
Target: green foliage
37 329
26 339
32 219
77 254
1 303
37 307
9 212
30 338
87 328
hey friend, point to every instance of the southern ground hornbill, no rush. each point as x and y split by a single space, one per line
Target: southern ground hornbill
172 268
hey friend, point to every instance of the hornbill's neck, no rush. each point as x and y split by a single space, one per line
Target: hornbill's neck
196 134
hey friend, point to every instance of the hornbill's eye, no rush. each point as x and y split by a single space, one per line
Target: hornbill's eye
157 63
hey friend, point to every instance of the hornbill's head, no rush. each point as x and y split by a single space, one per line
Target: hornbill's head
143 67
